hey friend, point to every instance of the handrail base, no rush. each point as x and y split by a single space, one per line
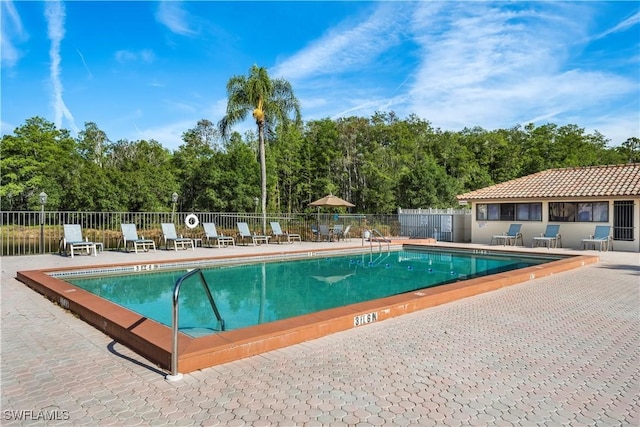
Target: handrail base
176 377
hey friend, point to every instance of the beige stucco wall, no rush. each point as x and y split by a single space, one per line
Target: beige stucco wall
572 232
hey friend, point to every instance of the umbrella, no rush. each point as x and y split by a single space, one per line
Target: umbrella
331 201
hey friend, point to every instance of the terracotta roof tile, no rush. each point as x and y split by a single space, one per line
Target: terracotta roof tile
591 181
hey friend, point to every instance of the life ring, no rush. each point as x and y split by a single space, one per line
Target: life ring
191 221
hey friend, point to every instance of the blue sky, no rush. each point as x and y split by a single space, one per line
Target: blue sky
151 70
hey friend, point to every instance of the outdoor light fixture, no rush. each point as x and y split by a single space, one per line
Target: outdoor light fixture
43 201
256 200
174 200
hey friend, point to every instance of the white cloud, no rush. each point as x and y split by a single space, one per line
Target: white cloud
494 65
170 134
11 29
617 128
622 26
350 47
172 15
146 56
55 15
489 70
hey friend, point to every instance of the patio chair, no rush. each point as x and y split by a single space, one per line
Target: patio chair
130 238
169 235
278 234
510 237
315 232
324 232
73 240
211 235
600 237
245 233
551 236
336 230
344 233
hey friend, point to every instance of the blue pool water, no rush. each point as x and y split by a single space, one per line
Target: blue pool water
250 294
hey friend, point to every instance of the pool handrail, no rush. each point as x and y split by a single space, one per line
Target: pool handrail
379 239
175 375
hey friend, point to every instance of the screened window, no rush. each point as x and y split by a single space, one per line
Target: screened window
509 211
529 212
579 211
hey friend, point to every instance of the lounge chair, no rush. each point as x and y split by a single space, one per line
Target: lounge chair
510 237
169 235
325 232
73 240
130 238
211 235
550 237
245 233
600 237
276 230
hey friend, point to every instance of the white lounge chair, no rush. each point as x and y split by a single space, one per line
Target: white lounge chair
600 237
211 235
130 238
550 237
510 237
169 235
245 233
73 240
278 234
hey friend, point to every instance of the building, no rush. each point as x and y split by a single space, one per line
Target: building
577 199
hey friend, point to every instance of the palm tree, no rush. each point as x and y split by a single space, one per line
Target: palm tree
271 102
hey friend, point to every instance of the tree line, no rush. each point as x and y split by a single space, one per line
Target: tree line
378 163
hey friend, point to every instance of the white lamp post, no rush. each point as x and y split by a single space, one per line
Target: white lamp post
174 200
43 201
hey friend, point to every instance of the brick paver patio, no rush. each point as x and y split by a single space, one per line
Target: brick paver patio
561 350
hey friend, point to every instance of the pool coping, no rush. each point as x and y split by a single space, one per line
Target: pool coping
153 340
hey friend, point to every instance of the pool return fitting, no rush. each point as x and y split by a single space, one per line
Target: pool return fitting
175 375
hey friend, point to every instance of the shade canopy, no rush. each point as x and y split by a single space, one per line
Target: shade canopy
331 201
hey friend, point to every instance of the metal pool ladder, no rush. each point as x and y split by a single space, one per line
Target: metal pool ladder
175 375
380 238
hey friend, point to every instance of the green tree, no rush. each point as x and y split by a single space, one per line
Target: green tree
630 150
142 174
237 184
426 185
91 143
193 164
36 158
271 102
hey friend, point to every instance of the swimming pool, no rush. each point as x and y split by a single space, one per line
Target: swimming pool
153 340
255 293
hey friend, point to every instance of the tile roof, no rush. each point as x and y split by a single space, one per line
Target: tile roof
591 181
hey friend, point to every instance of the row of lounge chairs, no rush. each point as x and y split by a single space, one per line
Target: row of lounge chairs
73 241
601 238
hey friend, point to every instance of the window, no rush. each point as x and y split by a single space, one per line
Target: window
529 212
509 211
579 211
